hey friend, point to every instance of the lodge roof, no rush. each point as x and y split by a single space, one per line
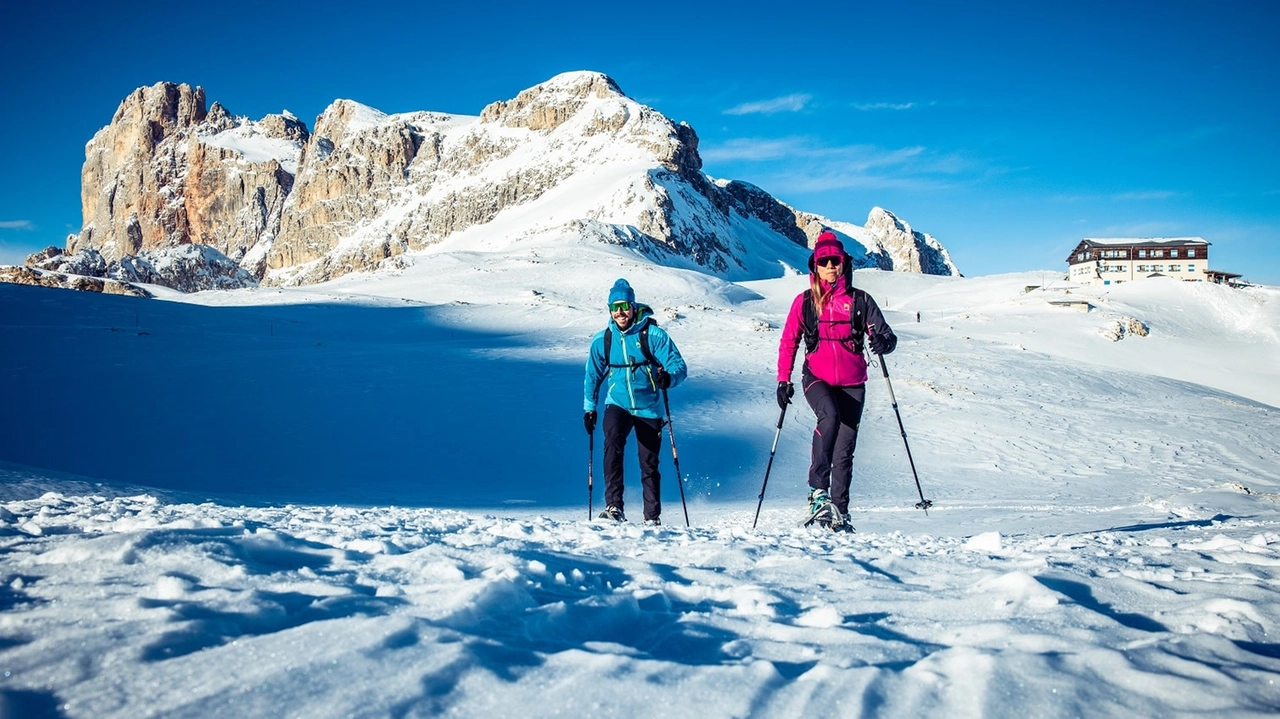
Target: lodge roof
1145 241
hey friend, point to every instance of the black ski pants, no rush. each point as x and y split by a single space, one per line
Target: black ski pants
839 412
618 423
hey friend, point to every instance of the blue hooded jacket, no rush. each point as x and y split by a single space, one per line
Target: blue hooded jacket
629 380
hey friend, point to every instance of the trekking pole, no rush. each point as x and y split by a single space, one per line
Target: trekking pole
769 466
924 504
591 463
675 456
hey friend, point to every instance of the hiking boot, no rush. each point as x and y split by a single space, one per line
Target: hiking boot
818 498
822 511
655 522
614 513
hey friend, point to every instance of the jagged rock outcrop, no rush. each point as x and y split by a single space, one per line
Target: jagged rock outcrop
186 268
909 250
169 172
780 218
1117 330
296 207
21 275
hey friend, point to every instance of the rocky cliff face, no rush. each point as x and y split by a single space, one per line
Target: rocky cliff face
909 251
373 186
169 172
293 207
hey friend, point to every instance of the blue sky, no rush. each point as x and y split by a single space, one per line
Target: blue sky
1008 130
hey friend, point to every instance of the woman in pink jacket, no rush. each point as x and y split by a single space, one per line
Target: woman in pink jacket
835 320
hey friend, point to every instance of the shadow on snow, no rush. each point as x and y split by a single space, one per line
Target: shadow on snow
312 403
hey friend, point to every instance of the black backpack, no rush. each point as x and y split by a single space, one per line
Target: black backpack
644 347
857 319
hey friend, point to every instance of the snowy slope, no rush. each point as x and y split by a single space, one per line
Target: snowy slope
367 498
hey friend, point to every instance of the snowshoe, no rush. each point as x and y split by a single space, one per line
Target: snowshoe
613 513
842 525
823 512
655 522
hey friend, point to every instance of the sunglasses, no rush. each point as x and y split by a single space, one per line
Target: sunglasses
619 306
831 261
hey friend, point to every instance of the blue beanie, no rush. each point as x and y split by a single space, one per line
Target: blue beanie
622 292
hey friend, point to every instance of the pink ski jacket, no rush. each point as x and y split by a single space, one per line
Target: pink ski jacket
836 360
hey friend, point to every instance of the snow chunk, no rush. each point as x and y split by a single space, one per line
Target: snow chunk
821 617
985 542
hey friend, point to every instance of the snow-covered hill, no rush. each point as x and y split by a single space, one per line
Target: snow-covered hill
368 498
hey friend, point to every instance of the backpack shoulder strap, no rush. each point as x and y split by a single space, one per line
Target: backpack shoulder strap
644 345
859 318
809 322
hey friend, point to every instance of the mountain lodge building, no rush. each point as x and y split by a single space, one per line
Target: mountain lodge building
1107 261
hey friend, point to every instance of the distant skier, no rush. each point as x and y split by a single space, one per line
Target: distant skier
834 319
638 360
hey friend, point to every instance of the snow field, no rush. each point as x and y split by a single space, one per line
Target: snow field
367 499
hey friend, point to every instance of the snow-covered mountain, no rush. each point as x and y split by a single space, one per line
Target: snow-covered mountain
569 158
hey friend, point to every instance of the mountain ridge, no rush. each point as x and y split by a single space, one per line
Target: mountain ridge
296 207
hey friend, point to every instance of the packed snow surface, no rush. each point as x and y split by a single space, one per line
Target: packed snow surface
369 498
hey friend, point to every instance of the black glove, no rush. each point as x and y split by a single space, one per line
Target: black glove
589 421
661 378
883 344
785 391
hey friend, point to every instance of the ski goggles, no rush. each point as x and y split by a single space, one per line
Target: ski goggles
619 306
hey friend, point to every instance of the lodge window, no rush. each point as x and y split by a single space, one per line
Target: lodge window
1173 253
1191 252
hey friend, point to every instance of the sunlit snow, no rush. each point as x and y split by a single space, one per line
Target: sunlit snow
369 498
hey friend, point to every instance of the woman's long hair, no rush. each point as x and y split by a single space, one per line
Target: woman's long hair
820 294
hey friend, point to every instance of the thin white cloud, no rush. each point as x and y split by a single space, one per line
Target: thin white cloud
803 164
796 148
1145 195
17 225
751 149
788 103
872 106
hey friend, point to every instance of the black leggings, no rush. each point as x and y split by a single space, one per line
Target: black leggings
839 411
618 423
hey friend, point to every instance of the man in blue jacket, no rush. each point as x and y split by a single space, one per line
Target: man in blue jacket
636 360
